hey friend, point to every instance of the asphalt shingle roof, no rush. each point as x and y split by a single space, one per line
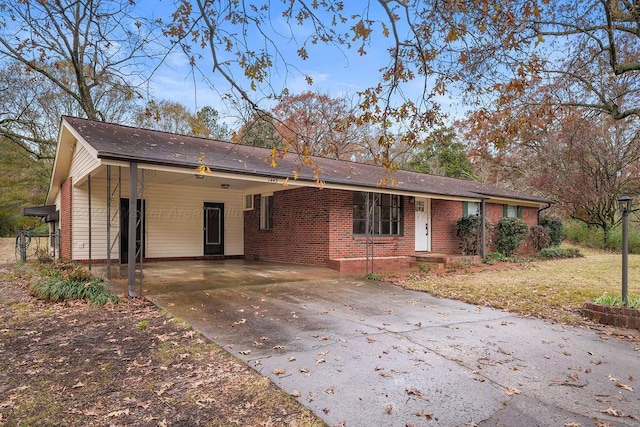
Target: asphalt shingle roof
118 142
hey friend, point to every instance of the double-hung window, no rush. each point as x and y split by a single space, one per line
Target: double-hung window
470 209
381 212
510 211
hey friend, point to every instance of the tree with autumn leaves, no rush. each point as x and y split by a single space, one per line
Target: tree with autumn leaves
502 58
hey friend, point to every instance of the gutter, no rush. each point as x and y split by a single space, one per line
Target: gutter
543 209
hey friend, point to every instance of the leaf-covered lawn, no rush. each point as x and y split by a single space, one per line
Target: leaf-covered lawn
554 289
74 364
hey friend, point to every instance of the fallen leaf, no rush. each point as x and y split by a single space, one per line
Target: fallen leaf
427 415
624 386
572 424
295 393
613 412
118 413
78 385
245 352
389 408
164 387
91 412
511 391
279 371
415 392
318 361
370 340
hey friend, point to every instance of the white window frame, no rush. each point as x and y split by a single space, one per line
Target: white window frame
473 208
248 202
266 212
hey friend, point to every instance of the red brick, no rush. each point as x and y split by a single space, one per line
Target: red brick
315 226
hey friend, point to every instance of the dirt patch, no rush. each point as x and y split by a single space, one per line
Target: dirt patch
126 364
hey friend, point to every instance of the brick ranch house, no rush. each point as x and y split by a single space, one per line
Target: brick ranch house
246 208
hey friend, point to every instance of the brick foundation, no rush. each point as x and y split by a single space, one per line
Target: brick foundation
622 317
359 265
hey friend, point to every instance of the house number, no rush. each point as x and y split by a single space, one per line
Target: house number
273 180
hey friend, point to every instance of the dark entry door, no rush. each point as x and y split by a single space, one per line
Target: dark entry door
124 229
214 228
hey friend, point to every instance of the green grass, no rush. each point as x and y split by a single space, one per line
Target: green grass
142 325
553 289
616 301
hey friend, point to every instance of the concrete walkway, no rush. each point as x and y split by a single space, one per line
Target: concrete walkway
372 354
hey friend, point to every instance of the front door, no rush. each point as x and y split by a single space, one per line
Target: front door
423 224
214 228
124 230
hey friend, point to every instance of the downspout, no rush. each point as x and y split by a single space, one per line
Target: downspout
483 237
543 209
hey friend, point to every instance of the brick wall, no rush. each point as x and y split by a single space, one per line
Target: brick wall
313 226
444 215
66 217
343 244
300 228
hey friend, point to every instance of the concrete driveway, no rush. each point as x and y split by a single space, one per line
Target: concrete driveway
364 353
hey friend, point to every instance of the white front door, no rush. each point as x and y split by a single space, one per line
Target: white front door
423 224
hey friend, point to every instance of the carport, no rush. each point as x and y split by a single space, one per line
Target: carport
371 353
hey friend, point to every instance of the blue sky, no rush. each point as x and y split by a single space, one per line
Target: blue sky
337 72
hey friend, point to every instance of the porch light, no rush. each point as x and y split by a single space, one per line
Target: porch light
624 203
199 176
224 186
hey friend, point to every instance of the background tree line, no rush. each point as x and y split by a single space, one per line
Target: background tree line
551 87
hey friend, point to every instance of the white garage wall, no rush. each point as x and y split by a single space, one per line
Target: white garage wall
174 220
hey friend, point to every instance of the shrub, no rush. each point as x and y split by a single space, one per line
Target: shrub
468 229
373 276
43 255
492 257
511 234
61 281
556 253
540 237
555 227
